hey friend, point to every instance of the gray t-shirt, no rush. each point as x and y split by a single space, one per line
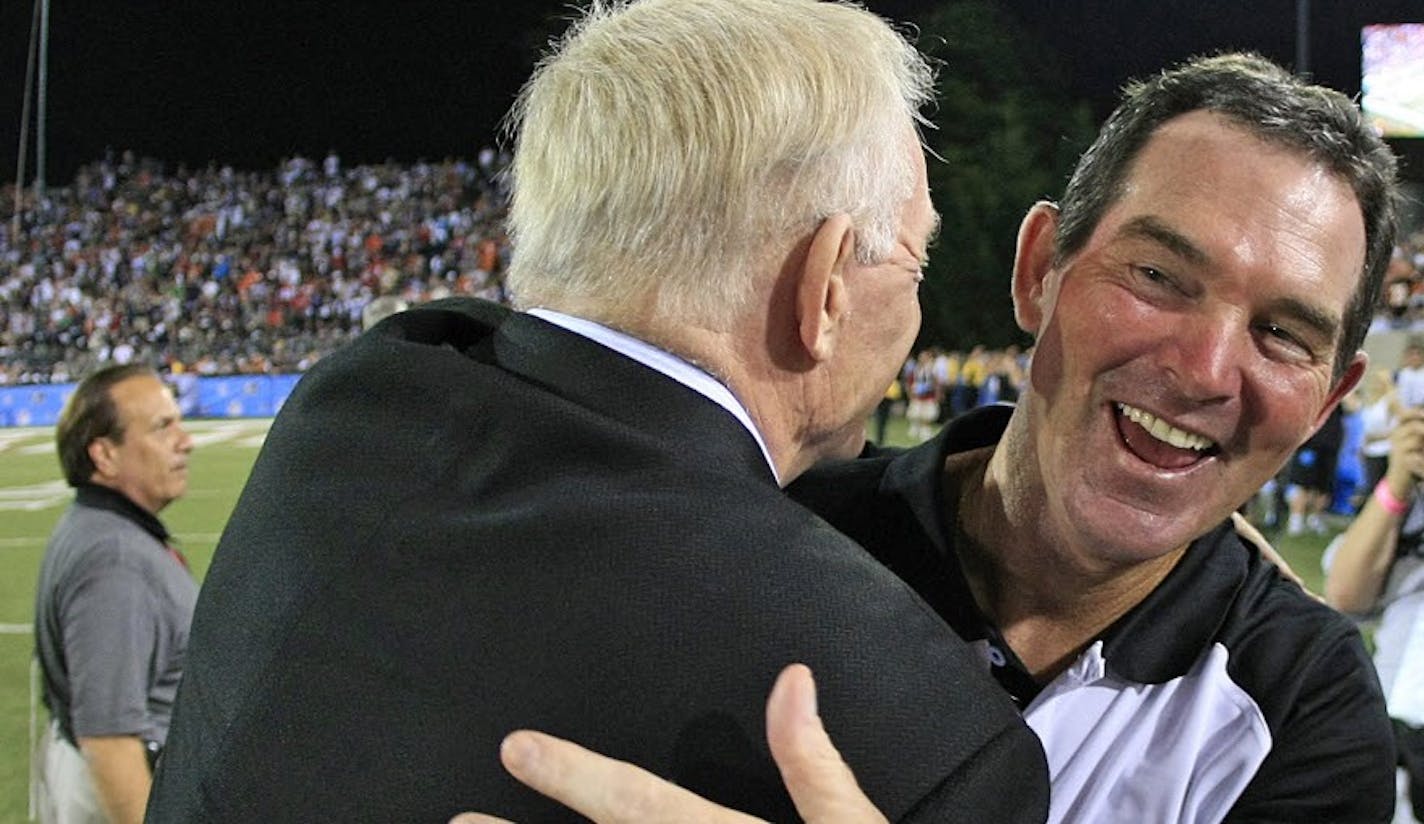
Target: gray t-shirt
112 610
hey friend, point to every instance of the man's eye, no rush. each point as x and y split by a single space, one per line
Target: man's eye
1286 341
1153 275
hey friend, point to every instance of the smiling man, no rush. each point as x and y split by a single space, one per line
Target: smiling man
114 600
1198 302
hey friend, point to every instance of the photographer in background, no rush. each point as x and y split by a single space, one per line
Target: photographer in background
1378 564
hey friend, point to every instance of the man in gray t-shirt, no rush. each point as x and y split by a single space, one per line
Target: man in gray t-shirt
114 599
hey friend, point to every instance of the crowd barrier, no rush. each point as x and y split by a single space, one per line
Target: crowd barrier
241 396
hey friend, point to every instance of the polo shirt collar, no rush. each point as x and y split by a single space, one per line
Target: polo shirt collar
112 500
1155 641
1161 638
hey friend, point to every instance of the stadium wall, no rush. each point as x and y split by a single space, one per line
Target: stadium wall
242 396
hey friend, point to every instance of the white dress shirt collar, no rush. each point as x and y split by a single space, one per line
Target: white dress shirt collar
694 378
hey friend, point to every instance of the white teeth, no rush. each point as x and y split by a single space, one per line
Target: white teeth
1163 431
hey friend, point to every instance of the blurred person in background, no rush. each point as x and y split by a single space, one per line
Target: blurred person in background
381 308
1409 379
1310 476
892 402
114 599
923 409
1379 413
1376 567
473 518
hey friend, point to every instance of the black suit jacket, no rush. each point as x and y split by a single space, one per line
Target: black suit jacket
470 521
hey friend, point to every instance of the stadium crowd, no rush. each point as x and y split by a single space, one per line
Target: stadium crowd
223 272
218 271
1403 300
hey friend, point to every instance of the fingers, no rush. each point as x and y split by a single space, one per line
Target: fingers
600 788
1406 452
613 792
822 786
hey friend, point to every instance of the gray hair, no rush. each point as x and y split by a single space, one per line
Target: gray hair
665 144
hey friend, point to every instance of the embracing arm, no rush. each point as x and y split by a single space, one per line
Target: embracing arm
612 792
1366 548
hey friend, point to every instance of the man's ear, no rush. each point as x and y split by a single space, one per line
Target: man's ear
101 453
1033 261
1348 381
821 299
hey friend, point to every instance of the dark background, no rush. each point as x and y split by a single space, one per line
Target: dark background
1023 85
248 83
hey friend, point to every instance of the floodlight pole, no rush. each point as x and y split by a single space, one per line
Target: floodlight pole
25 125
1302 36
40 108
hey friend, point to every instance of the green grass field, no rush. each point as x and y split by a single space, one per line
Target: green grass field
31 500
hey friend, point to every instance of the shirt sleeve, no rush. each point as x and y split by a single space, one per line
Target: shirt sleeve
110 633
1332 757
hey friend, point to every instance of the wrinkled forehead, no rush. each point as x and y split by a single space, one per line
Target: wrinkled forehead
141 398
1212 176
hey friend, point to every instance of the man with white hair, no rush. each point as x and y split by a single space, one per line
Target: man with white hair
571 515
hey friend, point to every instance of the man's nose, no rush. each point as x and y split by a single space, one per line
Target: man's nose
1206 356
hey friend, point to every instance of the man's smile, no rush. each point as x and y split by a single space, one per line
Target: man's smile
1158 442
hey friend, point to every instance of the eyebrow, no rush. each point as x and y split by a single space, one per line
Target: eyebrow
1150 228
1323 322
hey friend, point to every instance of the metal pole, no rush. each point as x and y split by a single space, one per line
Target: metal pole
40 111
1302 37
25 126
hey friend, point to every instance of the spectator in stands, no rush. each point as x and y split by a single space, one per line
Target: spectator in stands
114 599
245 272
380 309
573 514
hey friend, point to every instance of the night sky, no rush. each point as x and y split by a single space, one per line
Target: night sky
252 81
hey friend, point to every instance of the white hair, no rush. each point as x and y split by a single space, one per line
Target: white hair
666 144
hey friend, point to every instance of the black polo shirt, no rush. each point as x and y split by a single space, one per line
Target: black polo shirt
1226 693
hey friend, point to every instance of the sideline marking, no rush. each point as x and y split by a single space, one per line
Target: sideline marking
34 497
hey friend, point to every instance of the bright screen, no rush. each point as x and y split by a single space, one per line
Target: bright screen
1393 83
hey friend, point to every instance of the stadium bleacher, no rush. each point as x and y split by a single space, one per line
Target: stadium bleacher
222 272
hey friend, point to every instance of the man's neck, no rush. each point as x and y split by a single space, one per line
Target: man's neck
1021 568
758 359
784 404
